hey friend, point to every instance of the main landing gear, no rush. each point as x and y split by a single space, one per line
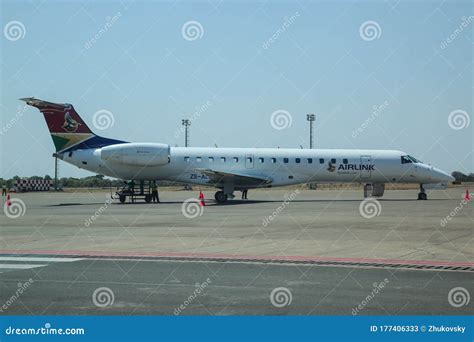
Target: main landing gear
220 197
226 193
422 194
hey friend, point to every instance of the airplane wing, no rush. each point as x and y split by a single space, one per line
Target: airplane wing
219 178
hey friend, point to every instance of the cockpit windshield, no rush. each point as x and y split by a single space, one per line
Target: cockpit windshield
409 159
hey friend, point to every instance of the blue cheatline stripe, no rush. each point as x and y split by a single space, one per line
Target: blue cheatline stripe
243 328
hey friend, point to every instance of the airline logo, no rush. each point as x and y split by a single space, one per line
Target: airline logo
351 167
331 167
70 125
356 167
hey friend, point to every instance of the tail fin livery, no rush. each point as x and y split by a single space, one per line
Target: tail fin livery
67 128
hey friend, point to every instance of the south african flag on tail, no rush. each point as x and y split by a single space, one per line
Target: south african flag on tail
68 130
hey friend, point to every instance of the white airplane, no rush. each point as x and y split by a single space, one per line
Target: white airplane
230 169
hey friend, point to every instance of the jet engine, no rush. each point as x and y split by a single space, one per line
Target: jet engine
137 154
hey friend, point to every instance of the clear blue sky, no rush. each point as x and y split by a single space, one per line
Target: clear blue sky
149 76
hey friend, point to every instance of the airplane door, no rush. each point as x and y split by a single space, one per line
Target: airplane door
365 172
249 160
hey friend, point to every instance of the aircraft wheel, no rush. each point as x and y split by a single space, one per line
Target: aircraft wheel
122 198
422 196
148 198
220 197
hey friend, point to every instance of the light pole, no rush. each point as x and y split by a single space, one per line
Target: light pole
311 118
186 123
56 173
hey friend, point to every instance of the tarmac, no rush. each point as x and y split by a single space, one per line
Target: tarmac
327 249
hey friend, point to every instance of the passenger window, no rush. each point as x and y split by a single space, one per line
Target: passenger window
298 160
211 159
333 161
274 160
310 160
236 160
186 159
223 159
198 159
345 161
321 160
249 159
285 160
261 160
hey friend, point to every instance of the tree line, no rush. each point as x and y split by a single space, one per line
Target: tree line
99 181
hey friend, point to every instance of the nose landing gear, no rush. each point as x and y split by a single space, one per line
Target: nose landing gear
422 194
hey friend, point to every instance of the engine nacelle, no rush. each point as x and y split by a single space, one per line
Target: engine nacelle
137 154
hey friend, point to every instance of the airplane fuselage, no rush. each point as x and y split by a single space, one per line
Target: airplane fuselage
281 166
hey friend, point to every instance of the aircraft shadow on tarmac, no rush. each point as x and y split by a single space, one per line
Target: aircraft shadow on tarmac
242 202
238 202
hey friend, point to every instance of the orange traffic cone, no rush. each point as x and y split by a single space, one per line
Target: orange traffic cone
201 199
9 203
467 196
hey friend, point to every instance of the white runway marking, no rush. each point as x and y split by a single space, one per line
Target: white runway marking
39 259
19 266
